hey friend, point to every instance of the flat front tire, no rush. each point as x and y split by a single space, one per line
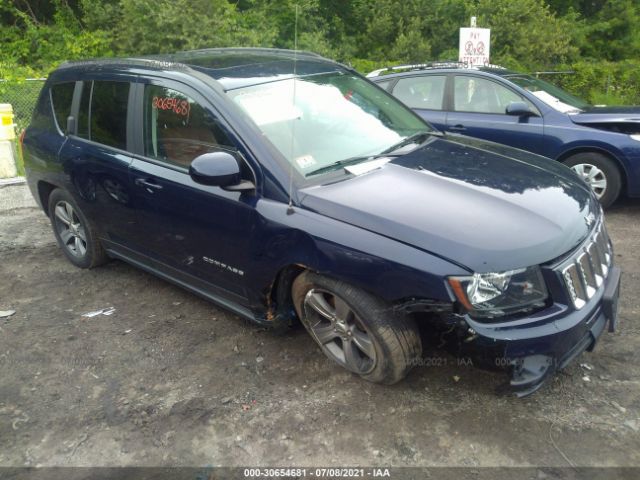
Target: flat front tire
355 329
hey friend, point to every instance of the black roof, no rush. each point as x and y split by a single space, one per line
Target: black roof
233 67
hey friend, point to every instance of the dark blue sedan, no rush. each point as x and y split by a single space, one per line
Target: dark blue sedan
601 144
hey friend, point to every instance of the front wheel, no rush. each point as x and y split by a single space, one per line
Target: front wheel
355 329
600 173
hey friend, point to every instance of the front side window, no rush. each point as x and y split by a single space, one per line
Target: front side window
553 96
474 94
177 129
108 113
61 97
421 92
319 120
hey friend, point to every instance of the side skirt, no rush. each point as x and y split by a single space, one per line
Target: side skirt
184 280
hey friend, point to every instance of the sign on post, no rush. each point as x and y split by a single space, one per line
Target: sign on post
474 46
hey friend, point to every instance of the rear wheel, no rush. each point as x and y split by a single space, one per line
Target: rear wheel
600 173
355 329
76 236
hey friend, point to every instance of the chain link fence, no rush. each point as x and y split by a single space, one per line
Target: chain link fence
22 95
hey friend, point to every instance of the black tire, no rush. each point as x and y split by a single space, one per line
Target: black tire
592 162
84 252
394 338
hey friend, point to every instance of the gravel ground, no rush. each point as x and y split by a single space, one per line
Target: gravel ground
169 379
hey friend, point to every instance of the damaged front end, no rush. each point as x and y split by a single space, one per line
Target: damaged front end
625 120
583 289
530 352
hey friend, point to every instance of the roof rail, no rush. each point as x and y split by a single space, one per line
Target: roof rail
430 65
221 50
184 59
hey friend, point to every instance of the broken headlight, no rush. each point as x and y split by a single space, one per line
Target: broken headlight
498 294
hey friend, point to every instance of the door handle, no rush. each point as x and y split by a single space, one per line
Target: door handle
150 186
457 128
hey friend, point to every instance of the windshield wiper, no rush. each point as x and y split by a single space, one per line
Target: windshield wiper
343 163
409 140
385 153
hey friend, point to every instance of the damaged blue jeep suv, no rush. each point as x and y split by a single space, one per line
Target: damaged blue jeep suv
283 186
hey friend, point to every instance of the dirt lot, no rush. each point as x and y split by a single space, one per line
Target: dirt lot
169 379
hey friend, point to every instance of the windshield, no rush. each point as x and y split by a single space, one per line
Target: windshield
553 96
334 117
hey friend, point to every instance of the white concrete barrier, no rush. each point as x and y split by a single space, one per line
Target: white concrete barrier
7 137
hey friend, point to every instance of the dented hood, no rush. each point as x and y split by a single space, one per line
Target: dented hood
482 206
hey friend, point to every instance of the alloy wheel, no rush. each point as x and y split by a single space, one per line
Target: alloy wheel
70 229
339 331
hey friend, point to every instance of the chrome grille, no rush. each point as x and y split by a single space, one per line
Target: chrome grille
585 271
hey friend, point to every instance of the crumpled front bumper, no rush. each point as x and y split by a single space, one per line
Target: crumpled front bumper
536 351
531 371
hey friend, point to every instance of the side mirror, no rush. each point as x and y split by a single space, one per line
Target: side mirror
71 125
218 169
519 109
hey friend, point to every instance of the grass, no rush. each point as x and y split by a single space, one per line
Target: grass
19 159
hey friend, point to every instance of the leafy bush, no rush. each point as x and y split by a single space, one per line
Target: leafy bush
599 40
609 83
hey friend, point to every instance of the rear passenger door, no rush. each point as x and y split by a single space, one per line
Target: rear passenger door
96 156
478 110
195 233
425 95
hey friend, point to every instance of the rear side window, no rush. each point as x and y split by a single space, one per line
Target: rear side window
108 113
61 96
421 92
42 118
384 85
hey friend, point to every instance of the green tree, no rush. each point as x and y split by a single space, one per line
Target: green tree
37 35
43 37
612 33
525 34
159 26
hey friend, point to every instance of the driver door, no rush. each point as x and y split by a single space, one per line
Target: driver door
195 233
479 110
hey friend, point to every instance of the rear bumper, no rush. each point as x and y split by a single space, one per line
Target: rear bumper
535 353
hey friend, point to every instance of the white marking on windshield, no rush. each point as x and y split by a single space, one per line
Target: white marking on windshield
365 167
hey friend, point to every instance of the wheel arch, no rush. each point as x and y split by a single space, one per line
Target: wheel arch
306 241
281 310
564 156
44 192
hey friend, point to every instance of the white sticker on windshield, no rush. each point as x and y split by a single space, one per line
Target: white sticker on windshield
553 101
305 161
270 106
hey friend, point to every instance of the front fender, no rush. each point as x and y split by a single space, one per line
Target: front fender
626 154
382 266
